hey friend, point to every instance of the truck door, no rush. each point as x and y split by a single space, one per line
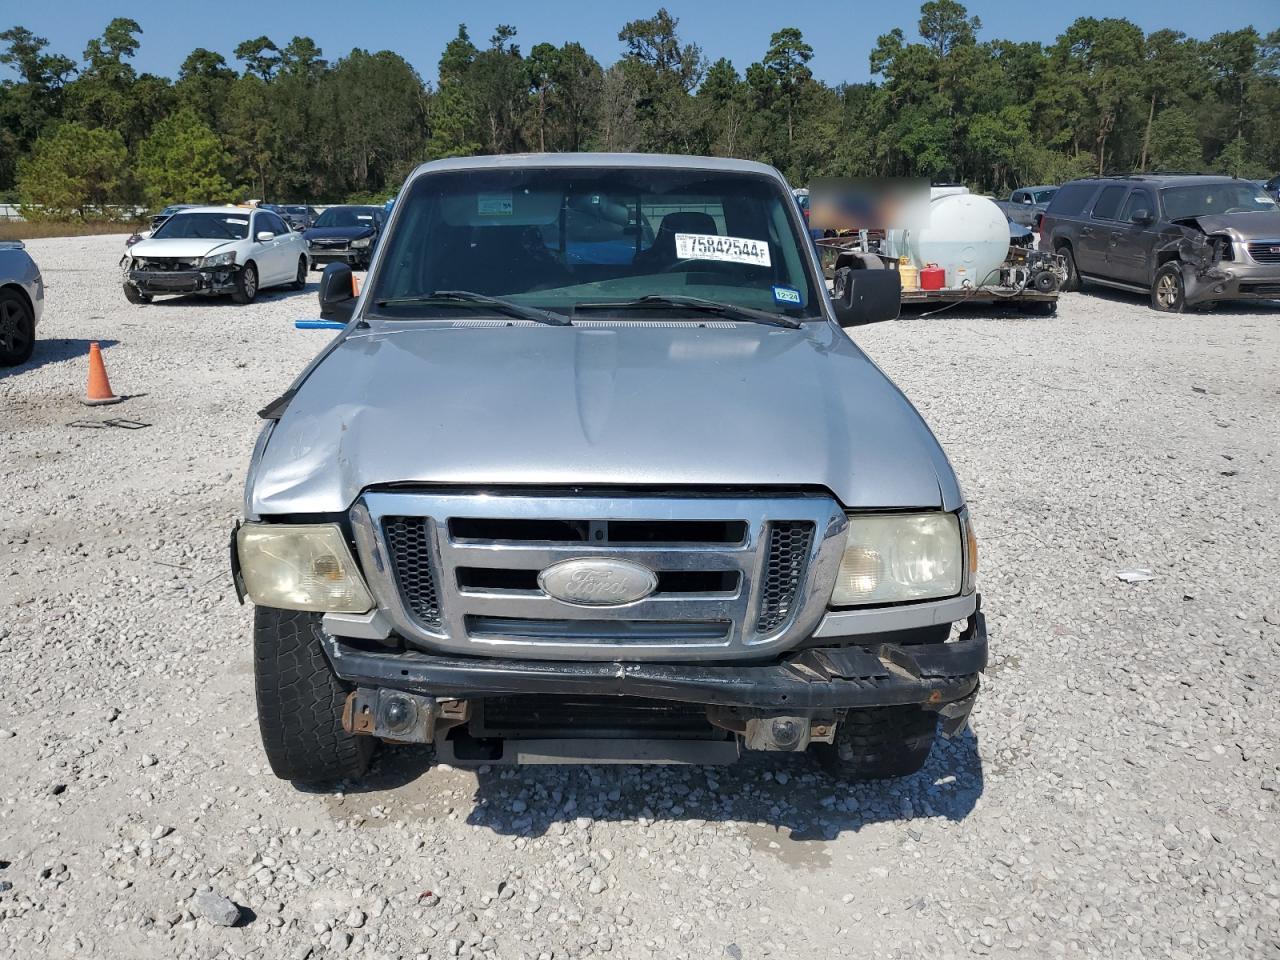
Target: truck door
1131 242
1095 232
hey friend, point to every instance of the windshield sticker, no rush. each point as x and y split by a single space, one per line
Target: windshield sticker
493 204
786 295
237 222
702 246
364 216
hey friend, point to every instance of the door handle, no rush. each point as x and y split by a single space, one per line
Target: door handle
1086 231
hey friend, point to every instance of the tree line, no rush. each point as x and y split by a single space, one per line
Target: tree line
283 123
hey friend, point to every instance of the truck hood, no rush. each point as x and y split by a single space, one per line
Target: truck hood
182 249
480 404
1258 225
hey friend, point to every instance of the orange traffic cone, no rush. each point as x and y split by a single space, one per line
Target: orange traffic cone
98 393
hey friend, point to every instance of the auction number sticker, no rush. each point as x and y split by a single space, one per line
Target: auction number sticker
704 246
493 204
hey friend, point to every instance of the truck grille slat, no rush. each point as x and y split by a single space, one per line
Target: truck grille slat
789 545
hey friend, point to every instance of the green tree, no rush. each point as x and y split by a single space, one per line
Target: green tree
260 57
73 171
182 161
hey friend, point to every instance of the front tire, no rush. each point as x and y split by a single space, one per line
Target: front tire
1167 292
878 743
300 702
246 284
17 329
1072 283
134 295
300 280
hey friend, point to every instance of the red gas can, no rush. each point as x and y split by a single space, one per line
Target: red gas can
932 277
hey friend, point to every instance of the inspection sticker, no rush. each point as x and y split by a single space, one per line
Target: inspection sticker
703 246
493 204
786 295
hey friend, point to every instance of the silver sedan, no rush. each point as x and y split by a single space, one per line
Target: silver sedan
21 303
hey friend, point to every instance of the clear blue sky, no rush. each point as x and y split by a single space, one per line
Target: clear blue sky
842 34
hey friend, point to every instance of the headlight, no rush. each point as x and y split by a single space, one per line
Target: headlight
892 558
361 243
300 567
219 259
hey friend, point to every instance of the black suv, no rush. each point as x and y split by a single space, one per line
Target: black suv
1186 240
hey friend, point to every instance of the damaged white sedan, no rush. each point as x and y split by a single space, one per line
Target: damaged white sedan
213 251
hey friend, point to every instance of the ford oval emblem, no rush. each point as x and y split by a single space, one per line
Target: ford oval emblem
603 582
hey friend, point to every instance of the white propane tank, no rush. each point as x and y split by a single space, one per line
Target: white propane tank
967 235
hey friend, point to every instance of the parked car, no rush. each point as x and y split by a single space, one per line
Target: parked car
1183 240
21 303
531 509
167 212
1026 204
345 234
299 216
215 250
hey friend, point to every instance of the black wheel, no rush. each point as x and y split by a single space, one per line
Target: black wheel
878 743
1072 282
17 329
246 284
300 702
300 280
1167 292
134 295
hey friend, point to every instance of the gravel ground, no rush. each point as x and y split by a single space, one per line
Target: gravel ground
1116 796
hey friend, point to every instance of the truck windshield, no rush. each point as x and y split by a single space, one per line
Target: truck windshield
553 238
1203 199
232 225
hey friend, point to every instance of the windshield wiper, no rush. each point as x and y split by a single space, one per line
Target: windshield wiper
479 299
658 301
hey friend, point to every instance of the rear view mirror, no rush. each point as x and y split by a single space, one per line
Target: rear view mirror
337 293
265 235
1141 216
866 291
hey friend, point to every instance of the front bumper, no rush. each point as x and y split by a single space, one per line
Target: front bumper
816 679
221 280
320 256
1231 280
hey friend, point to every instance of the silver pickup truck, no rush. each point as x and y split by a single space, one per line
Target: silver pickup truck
592 473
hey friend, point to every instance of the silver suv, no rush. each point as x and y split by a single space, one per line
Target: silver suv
592 473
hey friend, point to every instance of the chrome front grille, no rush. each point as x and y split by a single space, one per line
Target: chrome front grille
1265 251
735 575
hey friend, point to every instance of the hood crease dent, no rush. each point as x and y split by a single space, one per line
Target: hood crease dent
746 406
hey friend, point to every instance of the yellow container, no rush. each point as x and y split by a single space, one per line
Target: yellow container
909 273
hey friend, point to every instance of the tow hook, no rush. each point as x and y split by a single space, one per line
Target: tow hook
400 717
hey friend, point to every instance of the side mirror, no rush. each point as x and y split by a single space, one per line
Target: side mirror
265 235
337 293
865 291
1141 216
